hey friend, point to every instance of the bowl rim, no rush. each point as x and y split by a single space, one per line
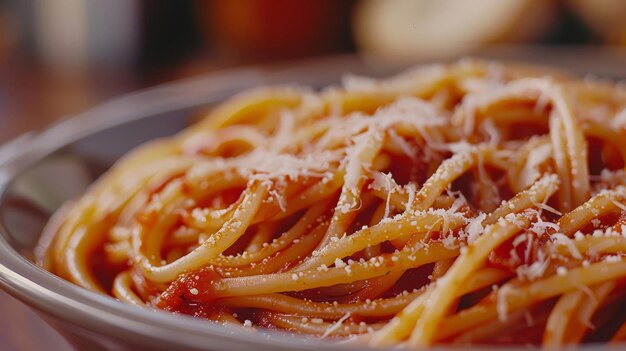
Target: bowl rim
104 315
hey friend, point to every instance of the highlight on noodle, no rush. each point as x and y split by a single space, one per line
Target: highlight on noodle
470 203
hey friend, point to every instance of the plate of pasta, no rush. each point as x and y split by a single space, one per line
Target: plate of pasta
460 204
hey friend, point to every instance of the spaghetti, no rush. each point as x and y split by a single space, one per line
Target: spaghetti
472 203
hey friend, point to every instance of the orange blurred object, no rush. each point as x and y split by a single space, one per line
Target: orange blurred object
277 29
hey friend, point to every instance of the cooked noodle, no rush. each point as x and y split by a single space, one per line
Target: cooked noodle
468 203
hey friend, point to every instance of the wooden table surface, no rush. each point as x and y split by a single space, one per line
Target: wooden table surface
21 329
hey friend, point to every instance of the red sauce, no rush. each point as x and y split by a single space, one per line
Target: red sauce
192 294
602 156
415 278
103 270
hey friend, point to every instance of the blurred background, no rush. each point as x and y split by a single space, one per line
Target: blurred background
60 57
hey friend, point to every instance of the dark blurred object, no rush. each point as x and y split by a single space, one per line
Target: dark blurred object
568 29
607 18
170 35
252 30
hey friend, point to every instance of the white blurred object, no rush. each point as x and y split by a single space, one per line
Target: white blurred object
405 29
62 32
80 34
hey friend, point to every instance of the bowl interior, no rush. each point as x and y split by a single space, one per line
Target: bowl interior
37 191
